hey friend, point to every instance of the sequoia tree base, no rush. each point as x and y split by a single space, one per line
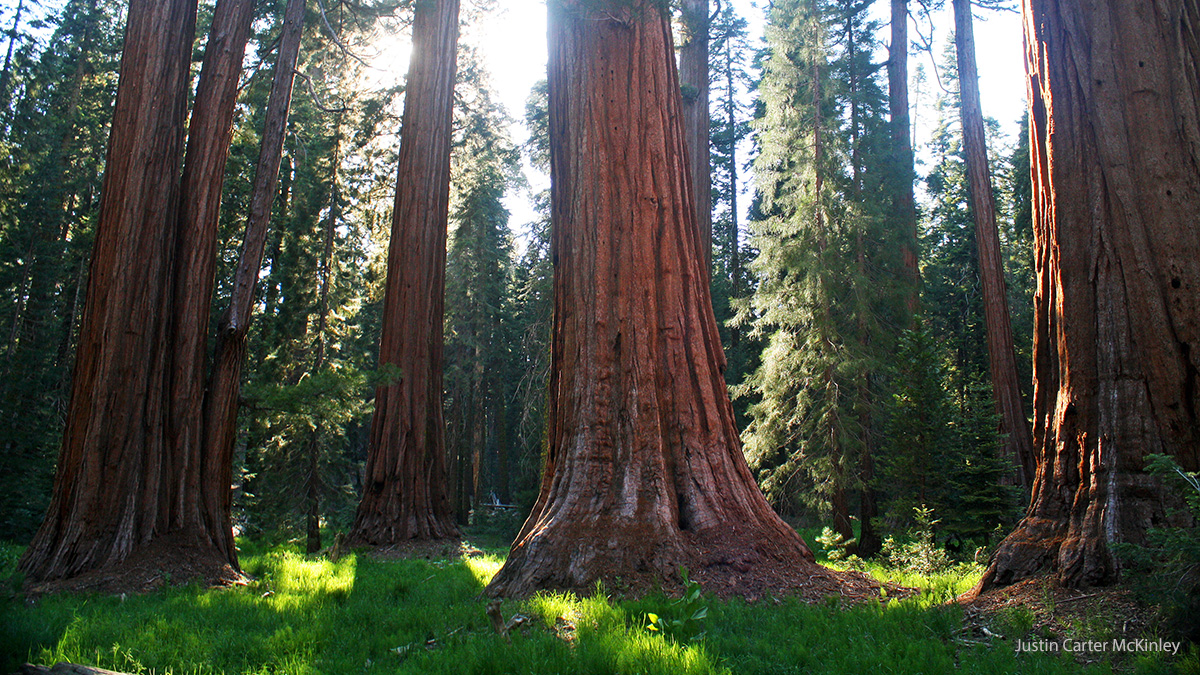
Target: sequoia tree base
730 563
170 560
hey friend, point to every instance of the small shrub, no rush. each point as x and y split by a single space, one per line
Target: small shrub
684 619
835 545
922 555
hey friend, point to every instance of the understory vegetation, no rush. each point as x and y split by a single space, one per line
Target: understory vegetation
309 614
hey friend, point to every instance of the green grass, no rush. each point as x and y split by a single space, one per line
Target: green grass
360 615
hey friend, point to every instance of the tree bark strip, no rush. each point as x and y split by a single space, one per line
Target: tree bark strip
1115 153
693 77
644 467
1001 356
405 492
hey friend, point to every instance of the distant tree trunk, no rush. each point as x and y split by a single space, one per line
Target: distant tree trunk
224 384
902 152
6 72
869 542
502 478
736 273
405 492
312 479
1006 391
644 467
1115 149
209 134
693 78
121 489
478 425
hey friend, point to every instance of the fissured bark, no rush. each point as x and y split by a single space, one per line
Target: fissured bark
404 494
124 487
694 78
1115 153
644 469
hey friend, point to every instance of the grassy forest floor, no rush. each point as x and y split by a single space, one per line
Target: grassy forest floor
362 614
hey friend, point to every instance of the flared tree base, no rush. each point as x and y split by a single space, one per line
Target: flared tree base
166 561
750 563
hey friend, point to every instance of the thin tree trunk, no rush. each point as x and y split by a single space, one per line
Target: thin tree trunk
1006 391
224 384
736 273
1115 155
405 492
905 212
312 449
6 73
693 77
200 205
121 489
478 421
869 542
502 439
644 468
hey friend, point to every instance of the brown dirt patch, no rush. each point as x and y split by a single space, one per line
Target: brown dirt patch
1041 609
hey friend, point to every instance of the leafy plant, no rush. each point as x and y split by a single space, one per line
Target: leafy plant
836 546
687 614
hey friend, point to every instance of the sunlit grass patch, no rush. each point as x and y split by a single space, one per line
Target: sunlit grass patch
484 567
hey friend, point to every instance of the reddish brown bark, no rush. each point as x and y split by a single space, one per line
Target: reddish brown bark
404 496
224 385
902 153
121 487
693 77
1115 154
209 133
644 468
1006 391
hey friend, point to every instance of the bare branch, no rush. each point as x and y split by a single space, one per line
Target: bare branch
333 35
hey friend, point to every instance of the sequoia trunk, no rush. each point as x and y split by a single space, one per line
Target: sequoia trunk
1115 154
1006 392
122 490
693 78
404 495
209 134
644 469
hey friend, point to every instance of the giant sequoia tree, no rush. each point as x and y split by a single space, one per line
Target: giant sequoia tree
404 494
644 469
126 485
1115 144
